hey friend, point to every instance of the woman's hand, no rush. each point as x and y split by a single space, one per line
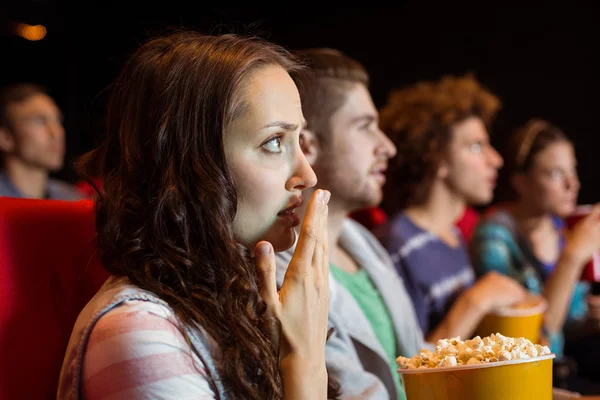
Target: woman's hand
302 303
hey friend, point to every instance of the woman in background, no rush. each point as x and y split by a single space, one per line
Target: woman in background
526 239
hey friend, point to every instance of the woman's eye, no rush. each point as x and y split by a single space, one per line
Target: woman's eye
556 174
273 145
476 148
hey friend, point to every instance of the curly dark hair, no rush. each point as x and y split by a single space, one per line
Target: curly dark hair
419 120
164 216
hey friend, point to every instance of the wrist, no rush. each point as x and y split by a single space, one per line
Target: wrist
301 370
572 258
476 301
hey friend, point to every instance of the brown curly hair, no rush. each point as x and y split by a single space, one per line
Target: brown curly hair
419 120
164 216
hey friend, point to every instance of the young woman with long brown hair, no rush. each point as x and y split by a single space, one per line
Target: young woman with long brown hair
202 170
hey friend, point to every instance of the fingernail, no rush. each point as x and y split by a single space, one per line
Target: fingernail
327 197
263 248
321 195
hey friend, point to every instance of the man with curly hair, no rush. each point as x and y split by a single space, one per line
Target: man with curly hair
444 162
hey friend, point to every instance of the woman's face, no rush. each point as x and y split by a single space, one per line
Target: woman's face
551 184
262 149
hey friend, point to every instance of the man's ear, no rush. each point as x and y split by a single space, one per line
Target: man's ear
7 141
443 170
310 146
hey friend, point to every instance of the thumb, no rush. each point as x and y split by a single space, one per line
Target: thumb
595 214
266 269
592 219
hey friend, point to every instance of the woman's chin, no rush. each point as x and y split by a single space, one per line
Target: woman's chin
565 210
282 241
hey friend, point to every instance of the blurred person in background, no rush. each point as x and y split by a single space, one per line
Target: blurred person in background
444 162
526 237
32 145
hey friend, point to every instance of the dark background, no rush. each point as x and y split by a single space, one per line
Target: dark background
539 59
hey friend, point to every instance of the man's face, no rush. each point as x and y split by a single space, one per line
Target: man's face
35 135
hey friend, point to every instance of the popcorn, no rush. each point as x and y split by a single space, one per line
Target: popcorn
453 352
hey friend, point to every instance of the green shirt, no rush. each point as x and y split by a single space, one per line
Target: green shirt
368 298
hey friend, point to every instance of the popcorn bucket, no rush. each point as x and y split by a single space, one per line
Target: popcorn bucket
521 320
505 380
